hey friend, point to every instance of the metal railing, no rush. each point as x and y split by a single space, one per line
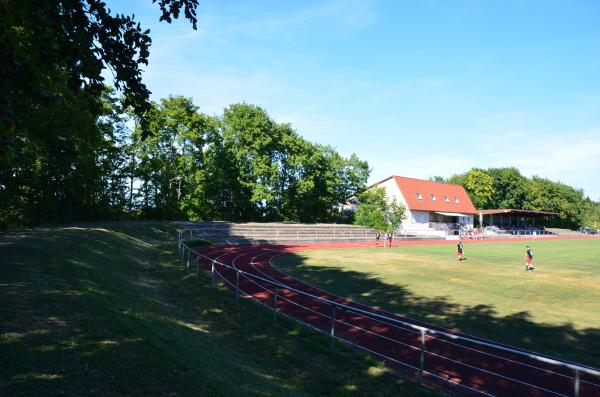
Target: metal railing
444 226
499 233
425 334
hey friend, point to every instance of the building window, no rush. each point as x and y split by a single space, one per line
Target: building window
446 199
456 200
433 198
419 196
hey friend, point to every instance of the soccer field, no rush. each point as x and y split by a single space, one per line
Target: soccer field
554 309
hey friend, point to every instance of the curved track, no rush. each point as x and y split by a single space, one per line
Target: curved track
468 368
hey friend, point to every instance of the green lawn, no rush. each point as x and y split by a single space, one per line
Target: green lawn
554 309
108 310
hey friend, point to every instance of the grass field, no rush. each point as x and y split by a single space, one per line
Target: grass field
108 310
554 309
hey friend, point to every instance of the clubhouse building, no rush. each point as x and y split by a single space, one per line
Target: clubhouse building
430 206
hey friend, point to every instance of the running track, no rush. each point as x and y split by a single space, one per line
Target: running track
466 368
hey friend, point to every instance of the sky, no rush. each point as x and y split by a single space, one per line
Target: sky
416 88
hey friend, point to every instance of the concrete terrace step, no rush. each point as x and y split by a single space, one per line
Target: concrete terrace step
277 232
284 233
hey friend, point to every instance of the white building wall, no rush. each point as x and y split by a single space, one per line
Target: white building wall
420 220
415 220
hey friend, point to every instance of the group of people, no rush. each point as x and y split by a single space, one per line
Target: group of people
473 234
387 240
528 256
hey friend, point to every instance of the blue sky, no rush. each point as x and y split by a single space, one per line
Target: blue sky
416 88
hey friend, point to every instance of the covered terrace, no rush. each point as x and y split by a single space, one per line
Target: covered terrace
510 218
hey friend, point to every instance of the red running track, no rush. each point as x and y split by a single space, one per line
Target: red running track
465 367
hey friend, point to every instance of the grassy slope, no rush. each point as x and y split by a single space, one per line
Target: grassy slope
555 309
108 310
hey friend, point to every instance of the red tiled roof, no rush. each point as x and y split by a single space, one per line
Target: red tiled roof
410 187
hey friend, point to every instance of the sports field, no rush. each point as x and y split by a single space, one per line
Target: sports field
554 309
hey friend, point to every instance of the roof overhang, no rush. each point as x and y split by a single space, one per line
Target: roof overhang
451 213
517 212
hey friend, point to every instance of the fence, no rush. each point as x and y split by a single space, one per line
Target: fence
339 321
499 233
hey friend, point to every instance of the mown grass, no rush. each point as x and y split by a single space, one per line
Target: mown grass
554 309
108 310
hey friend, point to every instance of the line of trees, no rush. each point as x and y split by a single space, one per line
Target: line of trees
240 166
71 150
508 188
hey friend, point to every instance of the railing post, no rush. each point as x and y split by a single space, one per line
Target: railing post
576 390
188 260
179 241
422 358
275 305
197 267
333 327
212 274
237 286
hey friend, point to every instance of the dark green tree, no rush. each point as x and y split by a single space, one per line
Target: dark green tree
568 202
510 188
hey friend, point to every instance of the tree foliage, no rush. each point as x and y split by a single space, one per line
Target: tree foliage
242 166
508 188
568 202
591 214
479 186
53 54
374 210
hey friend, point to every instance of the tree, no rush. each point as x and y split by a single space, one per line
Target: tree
55 150
437 178
591 214
274 174
64 45
546 195
479 186
375 211
510 188
171 158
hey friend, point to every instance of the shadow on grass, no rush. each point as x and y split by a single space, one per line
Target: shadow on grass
561 341
107 309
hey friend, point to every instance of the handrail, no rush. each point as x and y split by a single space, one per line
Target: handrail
182 247
390 319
